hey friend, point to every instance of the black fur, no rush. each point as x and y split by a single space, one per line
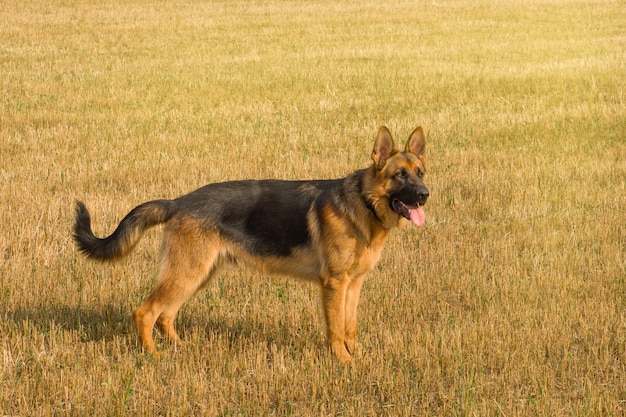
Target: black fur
267 217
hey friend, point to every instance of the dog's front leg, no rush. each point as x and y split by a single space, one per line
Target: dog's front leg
352 300
334 305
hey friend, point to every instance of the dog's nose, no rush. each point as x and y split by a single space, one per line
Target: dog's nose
422 195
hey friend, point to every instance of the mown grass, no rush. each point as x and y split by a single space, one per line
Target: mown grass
511 301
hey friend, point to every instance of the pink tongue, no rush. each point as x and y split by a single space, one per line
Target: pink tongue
418 217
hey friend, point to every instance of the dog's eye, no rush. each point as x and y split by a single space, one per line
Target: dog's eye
401 173
420 174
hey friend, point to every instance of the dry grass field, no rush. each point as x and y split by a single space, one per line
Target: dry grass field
511 301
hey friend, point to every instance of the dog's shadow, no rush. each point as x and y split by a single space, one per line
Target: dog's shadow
104 324
89 324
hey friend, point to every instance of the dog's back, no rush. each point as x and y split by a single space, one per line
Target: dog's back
266 217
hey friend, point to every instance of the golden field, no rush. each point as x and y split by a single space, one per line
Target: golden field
511 301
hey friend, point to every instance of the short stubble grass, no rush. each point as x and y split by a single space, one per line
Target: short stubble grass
509 302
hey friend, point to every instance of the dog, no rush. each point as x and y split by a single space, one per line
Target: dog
331 232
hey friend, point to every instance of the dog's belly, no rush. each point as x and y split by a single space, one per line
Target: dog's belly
303 263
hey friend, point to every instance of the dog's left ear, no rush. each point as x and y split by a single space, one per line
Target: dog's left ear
416 143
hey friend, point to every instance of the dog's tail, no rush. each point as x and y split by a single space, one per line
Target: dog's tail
127 234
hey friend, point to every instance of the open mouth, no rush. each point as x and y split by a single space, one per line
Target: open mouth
414 213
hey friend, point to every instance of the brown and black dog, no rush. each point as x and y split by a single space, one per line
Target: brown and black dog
329 231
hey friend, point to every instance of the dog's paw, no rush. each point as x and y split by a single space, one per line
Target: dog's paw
340 352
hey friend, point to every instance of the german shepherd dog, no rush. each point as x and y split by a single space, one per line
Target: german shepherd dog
331 232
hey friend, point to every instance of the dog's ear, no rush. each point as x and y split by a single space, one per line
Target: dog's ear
416 143
383 147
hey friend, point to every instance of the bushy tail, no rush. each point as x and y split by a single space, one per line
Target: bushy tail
127 234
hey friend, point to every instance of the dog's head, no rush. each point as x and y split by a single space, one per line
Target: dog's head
400 175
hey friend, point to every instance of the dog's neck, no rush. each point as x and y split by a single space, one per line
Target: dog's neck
371 208
366 200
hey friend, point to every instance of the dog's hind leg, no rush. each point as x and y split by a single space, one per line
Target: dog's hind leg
187 262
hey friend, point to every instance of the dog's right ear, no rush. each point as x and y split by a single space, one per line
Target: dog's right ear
383 147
